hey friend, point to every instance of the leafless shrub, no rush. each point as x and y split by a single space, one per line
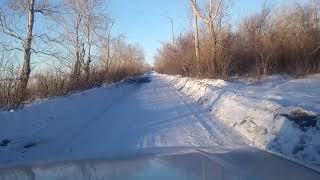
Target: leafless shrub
120 60
8 82
178 58
47 84
275 40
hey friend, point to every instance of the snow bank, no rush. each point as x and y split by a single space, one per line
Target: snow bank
278 114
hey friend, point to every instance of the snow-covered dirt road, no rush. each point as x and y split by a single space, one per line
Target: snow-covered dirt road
118 119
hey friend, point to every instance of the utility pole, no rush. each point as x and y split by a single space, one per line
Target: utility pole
172 27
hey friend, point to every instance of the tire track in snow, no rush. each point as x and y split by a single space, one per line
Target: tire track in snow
213 129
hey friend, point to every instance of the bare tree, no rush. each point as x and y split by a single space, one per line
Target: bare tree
93 19
195 32
107 46
26 8
255 29
80 31
213 18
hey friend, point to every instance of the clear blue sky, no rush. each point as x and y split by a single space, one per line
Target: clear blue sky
141 21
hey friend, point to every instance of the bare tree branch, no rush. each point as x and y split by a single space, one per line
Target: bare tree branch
5 28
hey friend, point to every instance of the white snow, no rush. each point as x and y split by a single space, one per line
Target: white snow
169 111
259 111
113 120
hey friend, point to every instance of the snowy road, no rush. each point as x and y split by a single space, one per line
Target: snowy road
151 114
109 121
104 132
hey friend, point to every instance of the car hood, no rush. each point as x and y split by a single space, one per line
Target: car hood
167 163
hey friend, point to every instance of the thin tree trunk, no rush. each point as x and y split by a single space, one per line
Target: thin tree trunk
108 48
76 70
89 58
25 71
108 53
76 74
196 35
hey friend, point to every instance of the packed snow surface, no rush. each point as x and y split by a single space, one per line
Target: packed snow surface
278 114
113 120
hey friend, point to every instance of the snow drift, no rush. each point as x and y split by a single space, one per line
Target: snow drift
278 114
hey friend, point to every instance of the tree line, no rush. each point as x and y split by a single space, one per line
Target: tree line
72 38
275 40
